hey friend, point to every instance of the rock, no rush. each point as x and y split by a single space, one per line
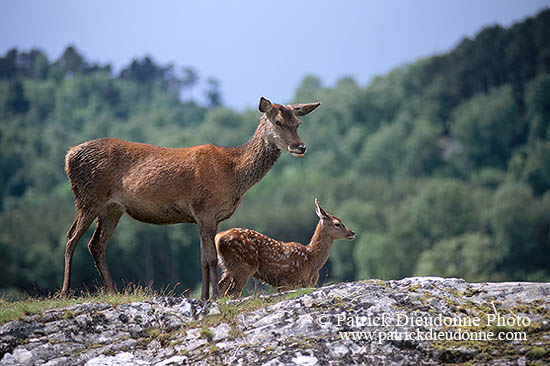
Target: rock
418 320
175 360
305 360
121 359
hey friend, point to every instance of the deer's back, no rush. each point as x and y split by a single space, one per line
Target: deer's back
155 184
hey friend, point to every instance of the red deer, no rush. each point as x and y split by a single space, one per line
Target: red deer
246 253
201 184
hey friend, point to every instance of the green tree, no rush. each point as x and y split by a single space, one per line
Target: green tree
383 152
530 165
424 153
71 61
538 108
485 128
16 102
520 225
378 256
471 256
213 93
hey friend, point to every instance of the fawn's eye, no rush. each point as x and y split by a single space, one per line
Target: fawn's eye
278 123
337 224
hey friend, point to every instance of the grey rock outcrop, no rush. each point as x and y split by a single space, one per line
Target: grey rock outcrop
414 321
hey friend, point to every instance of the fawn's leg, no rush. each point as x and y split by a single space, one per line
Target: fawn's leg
239 277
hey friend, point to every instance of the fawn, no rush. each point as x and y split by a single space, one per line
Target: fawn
245 253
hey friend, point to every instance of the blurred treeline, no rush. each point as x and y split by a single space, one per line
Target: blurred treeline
442 166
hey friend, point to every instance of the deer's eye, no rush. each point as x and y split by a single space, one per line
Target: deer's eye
337 224
278 123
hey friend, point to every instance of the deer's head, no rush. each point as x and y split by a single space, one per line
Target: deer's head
332 225
282 126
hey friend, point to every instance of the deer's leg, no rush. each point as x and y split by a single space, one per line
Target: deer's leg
237 285
224 283
209 259
105 227
238 279
83 221
314 280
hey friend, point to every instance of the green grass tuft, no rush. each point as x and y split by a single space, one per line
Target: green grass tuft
207 333
14 310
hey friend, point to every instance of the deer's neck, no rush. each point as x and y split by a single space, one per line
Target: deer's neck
255 158
319 248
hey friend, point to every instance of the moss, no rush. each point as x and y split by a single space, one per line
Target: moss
213 349
68 315
235 332
153 333
532 308
497 329
538 353
455 293
450 302
480 351
109 352
301 342
473 291
414 288
206 333
93 346
164 339
337 301
427 294
488 350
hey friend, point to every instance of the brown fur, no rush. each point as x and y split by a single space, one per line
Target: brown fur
246 253
202 184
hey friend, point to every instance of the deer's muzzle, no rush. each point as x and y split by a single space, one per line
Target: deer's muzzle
298 150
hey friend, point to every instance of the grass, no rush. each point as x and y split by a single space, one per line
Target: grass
230 309
207 333
13 310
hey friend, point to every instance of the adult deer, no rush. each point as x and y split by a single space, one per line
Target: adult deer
246 253
201 184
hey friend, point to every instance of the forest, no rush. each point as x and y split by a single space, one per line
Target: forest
441 166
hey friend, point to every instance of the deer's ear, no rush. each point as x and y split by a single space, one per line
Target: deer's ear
319 210
303 109
265 105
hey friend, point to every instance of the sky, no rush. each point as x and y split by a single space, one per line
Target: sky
256 48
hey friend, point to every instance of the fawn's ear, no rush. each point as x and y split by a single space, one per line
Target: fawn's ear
319 210
303 109
265 105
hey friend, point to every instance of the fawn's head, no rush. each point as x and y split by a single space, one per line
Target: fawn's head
282 126
332 225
